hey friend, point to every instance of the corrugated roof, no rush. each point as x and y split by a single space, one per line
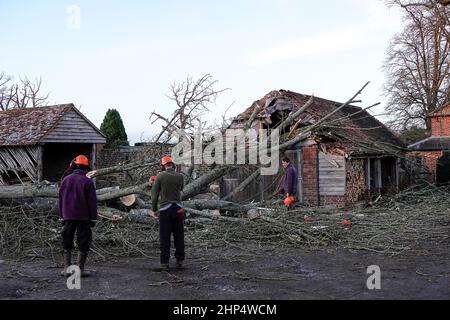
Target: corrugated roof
431 143
19 127
361 126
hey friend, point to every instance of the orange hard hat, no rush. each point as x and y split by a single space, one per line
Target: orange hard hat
152 178
165 160
82 160
288 201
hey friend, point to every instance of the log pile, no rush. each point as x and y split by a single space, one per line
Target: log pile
356 182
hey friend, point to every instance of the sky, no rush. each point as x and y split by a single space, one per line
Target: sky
102 54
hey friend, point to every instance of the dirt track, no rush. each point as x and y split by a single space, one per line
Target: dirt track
239 273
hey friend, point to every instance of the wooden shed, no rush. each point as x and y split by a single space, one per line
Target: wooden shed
38 143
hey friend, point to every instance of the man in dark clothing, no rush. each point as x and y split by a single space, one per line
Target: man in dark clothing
169 185
78 211
290 181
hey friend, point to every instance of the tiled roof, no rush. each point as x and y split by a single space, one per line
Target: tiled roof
28 126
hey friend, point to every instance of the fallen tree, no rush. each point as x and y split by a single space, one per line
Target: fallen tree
138 196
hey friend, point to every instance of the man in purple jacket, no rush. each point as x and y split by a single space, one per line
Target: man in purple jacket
78 211
290 178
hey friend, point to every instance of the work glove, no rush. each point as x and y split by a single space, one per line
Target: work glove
92 223
181 213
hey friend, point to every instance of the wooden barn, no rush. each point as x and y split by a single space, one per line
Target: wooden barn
38 144
351 159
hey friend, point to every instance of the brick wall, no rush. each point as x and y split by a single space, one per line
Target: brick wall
440 126
430 161
440 122
310 175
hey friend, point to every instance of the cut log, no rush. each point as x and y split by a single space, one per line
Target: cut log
139 189
216 217
128 200
28 191
197 185
33 191
106 190
133 216
216 204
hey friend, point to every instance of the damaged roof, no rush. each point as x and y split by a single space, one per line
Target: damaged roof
357 134
30 126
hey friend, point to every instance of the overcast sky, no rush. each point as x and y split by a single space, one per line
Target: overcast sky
125 54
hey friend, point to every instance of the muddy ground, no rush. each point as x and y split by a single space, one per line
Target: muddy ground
240 272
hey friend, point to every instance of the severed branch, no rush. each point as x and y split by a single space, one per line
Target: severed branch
121 168
197 185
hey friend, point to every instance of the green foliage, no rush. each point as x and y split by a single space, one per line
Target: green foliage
413 134
112 127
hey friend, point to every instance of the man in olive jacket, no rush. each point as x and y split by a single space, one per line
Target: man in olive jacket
168 186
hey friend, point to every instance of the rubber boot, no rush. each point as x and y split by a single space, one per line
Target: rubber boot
67 258
82 257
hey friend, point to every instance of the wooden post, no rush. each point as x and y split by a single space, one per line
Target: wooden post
397 174
94 156
379 181
40 163
369 189
94 160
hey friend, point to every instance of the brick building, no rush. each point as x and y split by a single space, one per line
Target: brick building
353 158
434 150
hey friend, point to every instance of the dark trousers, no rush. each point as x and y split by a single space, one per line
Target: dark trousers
84 235
171 222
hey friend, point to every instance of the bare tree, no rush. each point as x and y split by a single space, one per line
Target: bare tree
23 94
193 99
417 63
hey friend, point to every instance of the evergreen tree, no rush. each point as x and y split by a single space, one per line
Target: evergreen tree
112 127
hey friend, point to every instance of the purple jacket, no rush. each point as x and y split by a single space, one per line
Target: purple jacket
77 197
290 180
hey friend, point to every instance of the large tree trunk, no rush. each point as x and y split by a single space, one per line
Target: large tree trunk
32 191
25 191
197 185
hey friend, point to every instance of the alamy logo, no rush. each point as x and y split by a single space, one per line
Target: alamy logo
73 21
74 280
233 146
374 281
